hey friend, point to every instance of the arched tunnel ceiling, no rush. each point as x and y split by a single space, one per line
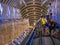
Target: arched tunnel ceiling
17 3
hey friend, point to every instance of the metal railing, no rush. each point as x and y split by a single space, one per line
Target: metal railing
20 38
30 39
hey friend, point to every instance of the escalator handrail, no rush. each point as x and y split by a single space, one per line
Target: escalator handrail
29 41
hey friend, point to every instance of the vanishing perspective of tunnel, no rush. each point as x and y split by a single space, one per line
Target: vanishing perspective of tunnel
21 22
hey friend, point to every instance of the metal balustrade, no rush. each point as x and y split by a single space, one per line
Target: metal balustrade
20 38
29 41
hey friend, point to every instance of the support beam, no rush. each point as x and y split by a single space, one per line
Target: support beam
44 2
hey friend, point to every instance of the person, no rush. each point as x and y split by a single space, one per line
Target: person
52 27
43 22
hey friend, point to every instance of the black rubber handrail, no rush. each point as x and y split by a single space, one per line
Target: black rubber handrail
29 41
40 38
52 40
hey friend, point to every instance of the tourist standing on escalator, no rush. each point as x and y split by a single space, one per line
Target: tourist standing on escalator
43 22
52 27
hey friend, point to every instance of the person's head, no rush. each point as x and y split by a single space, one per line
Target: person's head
43 16
51 21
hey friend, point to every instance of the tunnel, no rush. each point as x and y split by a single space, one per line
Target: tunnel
29 22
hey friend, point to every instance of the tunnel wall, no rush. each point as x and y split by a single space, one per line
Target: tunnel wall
10 30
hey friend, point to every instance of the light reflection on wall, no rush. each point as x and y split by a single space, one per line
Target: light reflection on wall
54 11
8 12
14 14
17 11
56 15
1 11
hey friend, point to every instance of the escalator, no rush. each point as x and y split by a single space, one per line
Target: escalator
36 37
41 39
